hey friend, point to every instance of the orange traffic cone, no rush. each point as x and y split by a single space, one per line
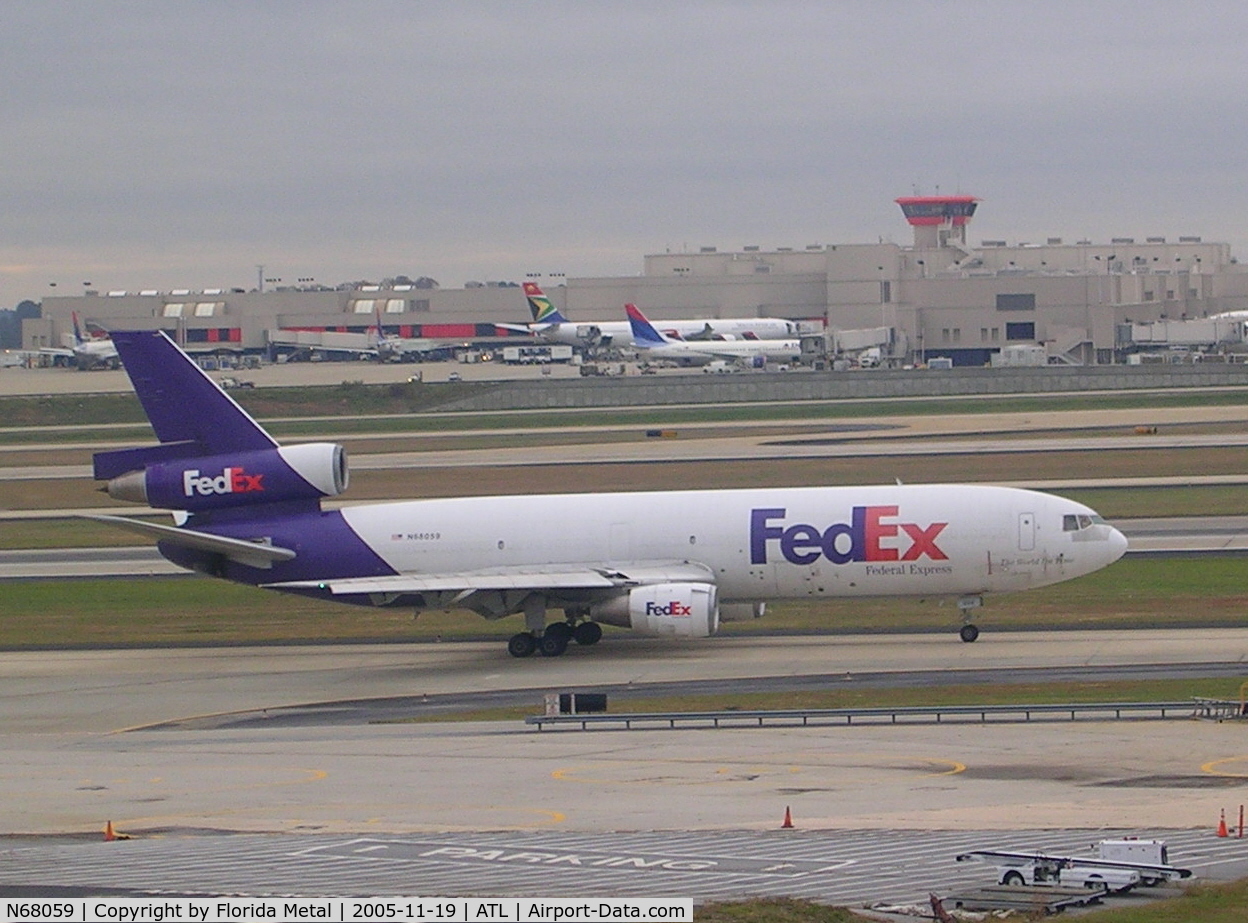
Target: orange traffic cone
109 836
1222 824
788 819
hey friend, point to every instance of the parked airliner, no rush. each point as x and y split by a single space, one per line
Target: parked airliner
550 323
669 563
652 345
86 353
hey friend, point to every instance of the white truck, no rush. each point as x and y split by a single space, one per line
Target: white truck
1151 857
1067 873
1117 865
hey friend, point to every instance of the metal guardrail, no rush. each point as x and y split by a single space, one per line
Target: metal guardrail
934 714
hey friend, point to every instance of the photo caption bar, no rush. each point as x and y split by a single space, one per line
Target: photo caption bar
375 909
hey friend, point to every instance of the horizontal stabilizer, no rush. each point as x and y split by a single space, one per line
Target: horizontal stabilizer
251 554
109 465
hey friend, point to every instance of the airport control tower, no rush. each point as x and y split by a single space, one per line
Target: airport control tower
938 220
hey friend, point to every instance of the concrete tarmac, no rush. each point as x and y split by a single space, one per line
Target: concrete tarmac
78 746
20 381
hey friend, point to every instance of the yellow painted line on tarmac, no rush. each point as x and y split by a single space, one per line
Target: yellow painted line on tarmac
1214 767
954 766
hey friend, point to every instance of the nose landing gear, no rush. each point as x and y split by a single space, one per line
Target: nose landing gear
967 605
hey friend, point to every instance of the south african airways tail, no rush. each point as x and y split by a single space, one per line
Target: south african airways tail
540 307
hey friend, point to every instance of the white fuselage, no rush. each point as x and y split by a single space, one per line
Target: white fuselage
620 333
702 352
763 544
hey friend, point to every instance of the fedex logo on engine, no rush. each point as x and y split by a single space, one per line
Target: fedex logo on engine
868 536
229 481
675 608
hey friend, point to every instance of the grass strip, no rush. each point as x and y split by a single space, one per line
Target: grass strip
1203 902
1133 593
773 910
846 696
412 407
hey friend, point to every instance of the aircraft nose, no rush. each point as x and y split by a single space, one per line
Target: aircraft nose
1117 545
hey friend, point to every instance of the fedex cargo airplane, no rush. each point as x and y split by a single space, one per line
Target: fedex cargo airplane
551 324
669 563
651 344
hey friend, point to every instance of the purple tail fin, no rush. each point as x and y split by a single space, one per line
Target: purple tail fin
191 415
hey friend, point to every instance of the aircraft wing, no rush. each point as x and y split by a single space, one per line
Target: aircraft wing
723 355
703 335
553 577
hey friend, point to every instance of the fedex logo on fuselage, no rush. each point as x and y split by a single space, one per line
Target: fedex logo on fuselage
229 481
868 536
675 608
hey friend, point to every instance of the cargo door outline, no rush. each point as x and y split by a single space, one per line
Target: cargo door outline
1026 531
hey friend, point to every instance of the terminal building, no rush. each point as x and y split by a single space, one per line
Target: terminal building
971 303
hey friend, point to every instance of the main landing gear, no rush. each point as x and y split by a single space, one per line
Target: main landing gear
553 639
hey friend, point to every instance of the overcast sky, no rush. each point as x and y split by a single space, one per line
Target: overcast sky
179 144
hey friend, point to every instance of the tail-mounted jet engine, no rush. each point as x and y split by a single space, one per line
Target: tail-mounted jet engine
298 472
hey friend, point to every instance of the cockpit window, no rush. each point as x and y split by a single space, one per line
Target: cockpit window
1076 522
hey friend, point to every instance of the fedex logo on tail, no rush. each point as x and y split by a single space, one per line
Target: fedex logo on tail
872 534
229 481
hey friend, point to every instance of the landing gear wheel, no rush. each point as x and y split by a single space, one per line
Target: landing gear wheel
558 630
521 645
968 633
552 645
587 633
